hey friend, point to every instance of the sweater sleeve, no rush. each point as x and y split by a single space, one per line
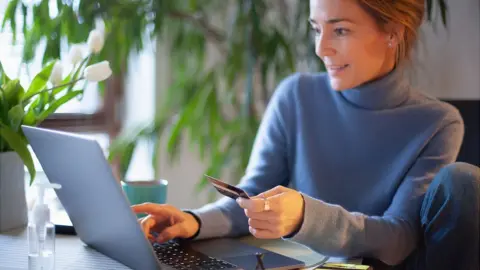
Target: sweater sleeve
266 169
331 230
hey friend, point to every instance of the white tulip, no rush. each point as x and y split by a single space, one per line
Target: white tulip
76 54
98 72
56 77
95 41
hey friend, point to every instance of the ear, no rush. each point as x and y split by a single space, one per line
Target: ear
395 34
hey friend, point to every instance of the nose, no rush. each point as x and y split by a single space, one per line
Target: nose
323 47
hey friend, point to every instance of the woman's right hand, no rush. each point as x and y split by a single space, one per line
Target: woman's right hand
166 221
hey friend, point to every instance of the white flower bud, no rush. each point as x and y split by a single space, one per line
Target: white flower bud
95 41
76 54
98 72
56 77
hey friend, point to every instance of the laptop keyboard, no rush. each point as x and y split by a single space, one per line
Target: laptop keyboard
181 256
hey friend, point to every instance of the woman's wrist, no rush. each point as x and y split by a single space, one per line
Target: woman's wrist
300 223
198 223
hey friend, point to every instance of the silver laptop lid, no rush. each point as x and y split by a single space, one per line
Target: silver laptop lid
92 196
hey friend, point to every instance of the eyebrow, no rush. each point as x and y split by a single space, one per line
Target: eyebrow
331 21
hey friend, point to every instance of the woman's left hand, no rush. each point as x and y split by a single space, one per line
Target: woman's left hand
275 213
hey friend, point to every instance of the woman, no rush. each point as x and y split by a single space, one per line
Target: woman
370 158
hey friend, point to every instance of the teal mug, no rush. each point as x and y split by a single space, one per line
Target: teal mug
138 192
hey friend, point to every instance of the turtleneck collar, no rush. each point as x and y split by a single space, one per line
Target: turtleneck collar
386 92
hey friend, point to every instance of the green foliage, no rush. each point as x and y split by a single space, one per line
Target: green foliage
17 142
19 107
442 4
13 109
215 106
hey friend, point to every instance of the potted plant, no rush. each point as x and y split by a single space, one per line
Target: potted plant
30 105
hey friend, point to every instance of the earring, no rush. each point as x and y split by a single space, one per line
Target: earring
391 40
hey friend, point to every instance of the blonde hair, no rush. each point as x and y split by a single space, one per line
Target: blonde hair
407 13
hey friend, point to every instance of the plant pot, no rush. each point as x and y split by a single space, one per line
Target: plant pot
138 192
13 202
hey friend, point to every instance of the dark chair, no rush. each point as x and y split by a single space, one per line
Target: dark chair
470 111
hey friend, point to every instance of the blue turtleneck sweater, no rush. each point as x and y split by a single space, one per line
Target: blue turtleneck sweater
362 158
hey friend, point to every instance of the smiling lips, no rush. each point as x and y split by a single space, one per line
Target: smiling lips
336 69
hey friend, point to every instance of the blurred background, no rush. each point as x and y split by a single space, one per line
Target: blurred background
192 77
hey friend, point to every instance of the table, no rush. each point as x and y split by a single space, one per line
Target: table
73 254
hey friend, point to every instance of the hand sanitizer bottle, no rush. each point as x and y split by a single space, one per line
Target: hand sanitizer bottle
41 233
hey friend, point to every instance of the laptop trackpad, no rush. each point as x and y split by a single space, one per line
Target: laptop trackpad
225 247
270 261
244 255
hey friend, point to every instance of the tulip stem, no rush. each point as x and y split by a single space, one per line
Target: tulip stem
25 99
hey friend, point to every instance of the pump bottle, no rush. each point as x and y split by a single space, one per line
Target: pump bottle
41 232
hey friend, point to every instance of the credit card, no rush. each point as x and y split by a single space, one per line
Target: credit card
227 189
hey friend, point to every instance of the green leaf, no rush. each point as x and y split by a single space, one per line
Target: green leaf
13 92
185 117
3 76
156 154
156 133
443 11
40 81
30 115
15 116
119 144
24 23
52 50
126 158
4 106
10 13
124 145
36 108
173 145
429 9
56 104
42 102
32 39
19 145
59 4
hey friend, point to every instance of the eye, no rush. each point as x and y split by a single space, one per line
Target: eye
341 31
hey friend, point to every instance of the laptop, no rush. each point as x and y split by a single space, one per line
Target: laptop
103 219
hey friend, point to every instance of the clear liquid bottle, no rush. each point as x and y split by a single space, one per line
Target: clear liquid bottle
41 233
41 252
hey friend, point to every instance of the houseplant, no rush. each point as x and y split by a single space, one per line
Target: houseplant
214 105
20 105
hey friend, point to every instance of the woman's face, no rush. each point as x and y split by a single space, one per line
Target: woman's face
350 43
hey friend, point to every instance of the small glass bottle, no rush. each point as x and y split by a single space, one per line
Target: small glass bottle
41 233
